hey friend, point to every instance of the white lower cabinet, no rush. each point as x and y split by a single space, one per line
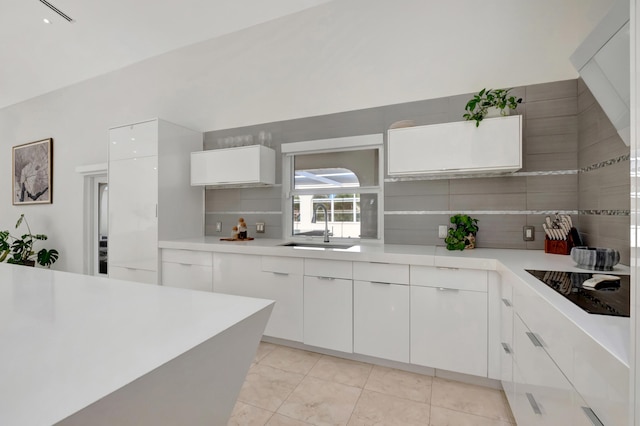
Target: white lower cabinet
328 304
449 329
267 277
286 319
506 337
328 313
133 274
381 320
543 395
449 319
188 269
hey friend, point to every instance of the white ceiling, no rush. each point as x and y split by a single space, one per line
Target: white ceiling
36 58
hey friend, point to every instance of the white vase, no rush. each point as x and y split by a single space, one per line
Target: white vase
496 112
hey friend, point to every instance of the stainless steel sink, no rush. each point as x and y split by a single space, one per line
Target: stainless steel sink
317 245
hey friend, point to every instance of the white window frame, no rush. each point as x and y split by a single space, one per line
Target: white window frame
351 143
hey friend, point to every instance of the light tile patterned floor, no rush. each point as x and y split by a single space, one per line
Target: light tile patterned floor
291 387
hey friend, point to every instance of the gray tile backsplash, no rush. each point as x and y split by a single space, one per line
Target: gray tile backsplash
564 129
552 144
601 186
553 90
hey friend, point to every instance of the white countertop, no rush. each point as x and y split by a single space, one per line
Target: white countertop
613 333
67 340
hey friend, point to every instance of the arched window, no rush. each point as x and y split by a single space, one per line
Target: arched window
344 183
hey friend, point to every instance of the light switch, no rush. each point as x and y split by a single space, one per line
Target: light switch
442 231
528 233
218 226
260 227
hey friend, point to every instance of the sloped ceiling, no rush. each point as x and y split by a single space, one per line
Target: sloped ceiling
36 58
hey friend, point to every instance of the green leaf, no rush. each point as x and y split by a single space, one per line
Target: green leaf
20 219
47 257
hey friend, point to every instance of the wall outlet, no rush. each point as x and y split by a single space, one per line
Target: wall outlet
442 231
528 233
260 227
218 226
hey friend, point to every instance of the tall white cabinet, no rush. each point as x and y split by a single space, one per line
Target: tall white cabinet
150 196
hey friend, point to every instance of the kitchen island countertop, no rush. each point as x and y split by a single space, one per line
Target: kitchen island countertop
68 341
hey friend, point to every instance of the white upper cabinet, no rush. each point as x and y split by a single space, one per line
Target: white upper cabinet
458 147
133 141
244 165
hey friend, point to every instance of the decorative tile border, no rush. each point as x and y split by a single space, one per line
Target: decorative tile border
477 212
606 163
605 212
245 212
480 175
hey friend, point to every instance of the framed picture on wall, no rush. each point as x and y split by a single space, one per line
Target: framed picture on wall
32 167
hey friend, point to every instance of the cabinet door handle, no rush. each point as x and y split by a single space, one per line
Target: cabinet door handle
280 273
446 268
379 282
507 348
506 302
451 290
534 404
185 264
326 278
380 263
534 339
592 416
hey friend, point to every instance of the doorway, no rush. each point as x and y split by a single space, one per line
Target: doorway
101 226
96 219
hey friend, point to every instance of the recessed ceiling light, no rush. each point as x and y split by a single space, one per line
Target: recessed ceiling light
46 21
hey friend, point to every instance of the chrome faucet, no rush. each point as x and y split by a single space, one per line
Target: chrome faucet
326 221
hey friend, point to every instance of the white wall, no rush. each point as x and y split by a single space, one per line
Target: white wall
344 55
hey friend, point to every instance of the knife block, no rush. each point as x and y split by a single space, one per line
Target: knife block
558 246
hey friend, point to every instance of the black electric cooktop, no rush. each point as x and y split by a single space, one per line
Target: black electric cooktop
613 300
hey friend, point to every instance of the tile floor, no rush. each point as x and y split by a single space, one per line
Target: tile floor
290 387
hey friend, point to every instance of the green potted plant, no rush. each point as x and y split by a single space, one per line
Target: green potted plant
463 234
20 251
479 105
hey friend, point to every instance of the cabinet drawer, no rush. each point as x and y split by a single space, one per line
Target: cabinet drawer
556 333
328 268
192 277
381 272
131 274
506 336
454 278
543 394
282 265
187 257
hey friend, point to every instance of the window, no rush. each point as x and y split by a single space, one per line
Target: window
338 187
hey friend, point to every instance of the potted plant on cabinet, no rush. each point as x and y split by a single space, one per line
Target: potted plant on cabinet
463 235
481 103
20 251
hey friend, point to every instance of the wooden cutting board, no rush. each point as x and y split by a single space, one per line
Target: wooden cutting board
236 239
